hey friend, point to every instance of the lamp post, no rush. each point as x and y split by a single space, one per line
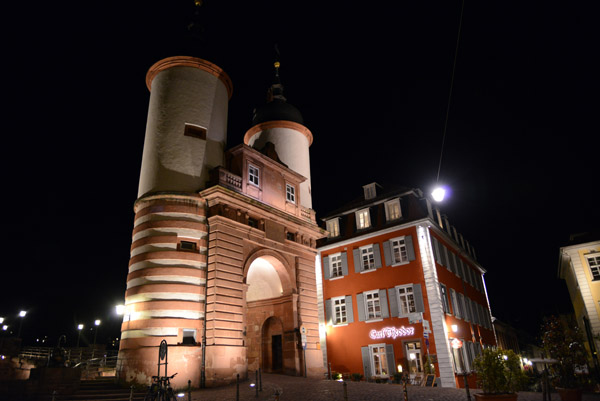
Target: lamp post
97 324
22 316
79 328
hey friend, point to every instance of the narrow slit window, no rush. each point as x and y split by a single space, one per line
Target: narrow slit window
194 131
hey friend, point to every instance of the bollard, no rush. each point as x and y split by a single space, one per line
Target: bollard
54 395
189 390
131 393
404 381
467 387
345 391
276 395
256 385
237 387
260 379
329 371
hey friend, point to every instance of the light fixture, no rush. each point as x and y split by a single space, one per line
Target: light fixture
80 327
438 194
412 356
454 328
22 313
1 320
120 309
5 327
97 322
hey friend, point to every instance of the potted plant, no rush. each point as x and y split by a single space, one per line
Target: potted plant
499 375
564 343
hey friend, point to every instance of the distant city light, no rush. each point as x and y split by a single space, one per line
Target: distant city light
22 313
97 322
438 194
1 320
5 327
80 327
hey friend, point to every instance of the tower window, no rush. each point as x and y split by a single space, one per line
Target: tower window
594 262
290 236
189 337
290 193
194 131
188 246
252 222
253 173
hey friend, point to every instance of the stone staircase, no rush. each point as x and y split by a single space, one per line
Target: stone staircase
101 389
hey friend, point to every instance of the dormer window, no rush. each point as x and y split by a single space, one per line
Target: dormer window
333 226
392 210
370 190
363 220
290 193
253 175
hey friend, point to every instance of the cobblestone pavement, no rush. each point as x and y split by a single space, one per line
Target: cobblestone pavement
301 389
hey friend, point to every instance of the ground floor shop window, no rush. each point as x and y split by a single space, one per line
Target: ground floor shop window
378 360
415 360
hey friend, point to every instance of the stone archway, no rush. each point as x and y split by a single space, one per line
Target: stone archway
271 317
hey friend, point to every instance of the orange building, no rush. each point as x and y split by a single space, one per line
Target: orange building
398 285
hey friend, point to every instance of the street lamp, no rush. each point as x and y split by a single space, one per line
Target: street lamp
438 194
21 315
79 327
97 324
1 320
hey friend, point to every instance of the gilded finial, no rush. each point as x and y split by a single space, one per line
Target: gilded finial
277 64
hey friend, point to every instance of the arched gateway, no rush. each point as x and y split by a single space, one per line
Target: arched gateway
223 251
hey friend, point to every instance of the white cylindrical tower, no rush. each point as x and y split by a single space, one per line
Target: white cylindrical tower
282 124
187 123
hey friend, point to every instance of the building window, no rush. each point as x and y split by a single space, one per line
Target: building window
363 219
188 246
335 263
189 337
333 226
399 252
290 236
253 173
406 300
290 193
594 262
444 294
372 305
455 304
367 257
194 131
415 363
339 310
379 360
252 222
392 210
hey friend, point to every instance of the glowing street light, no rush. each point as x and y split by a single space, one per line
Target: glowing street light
438 194
120 309
1 320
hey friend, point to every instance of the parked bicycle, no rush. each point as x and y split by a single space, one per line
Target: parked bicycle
160 389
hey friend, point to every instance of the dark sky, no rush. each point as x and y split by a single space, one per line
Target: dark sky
372 81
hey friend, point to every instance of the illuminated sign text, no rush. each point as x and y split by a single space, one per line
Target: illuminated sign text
392 332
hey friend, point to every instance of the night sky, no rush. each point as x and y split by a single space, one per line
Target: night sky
372 81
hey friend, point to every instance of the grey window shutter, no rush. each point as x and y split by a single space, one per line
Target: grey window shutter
452 261
328 312
383 304
443 255
360 305
391 360
418 294
366 358
387 253
410 249
357 260
377 255
349 311
393 302
436 249
344 264
326 270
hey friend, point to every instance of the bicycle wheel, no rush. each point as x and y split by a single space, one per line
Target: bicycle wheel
170 395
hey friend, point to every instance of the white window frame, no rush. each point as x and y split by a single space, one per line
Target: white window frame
389 208
253 175
333 227
339 311
404 302
335 265
593 261
363 219
369 264
382 358
374 294
290 193
401 247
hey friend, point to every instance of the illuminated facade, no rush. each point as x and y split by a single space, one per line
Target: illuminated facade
224 242
399 284
579 266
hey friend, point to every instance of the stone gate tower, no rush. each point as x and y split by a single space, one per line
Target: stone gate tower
223 250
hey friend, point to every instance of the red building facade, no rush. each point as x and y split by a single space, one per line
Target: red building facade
399 284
